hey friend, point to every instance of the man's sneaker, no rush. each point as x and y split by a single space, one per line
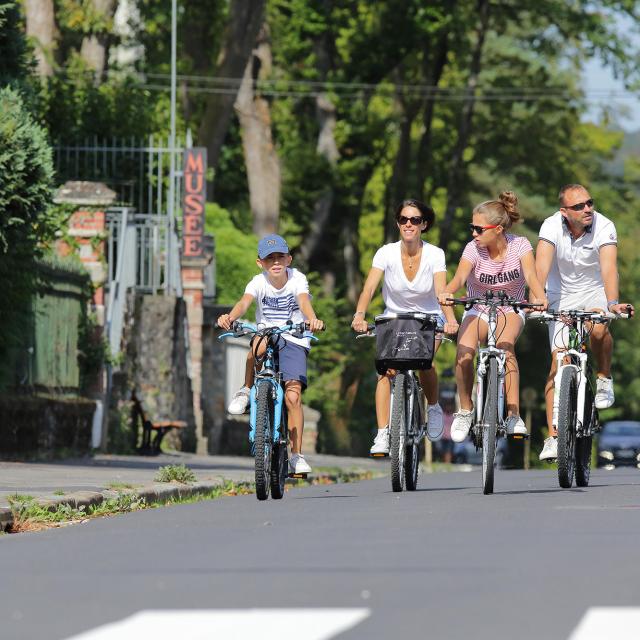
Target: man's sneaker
516 426
435 423
297 464
239 402
380 443
604 393
550 449
461 424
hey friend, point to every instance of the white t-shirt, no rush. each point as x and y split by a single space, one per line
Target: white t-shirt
274 307
401 295
576 267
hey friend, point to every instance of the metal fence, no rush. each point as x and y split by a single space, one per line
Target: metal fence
137 171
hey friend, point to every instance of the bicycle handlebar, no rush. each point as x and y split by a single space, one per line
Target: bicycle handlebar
494 300
578 314
239 329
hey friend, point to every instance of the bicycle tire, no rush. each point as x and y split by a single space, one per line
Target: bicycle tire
583 444
262 442
412 450
397 433
490 428
567 414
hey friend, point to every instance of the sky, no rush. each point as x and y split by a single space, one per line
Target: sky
604 90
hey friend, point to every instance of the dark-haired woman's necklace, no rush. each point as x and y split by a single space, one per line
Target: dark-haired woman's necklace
410 258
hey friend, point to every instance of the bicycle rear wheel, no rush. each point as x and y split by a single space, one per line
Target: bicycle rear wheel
567 413
490 428
412 449
397 433
262 443
583 444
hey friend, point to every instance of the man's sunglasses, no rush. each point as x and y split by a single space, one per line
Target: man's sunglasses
414 220
479 230
581 205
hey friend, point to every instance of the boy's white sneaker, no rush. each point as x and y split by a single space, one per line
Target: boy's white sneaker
239 402
550 449
435 422
380 443
297 464
461 424
604 393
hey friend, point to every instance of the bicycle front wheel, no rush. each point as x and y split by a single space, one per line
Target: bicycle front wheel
397 433
412 449
490 427
567 415
583 444
263 438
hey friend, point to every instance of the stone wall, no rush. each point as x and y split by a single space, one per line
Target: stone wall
45 426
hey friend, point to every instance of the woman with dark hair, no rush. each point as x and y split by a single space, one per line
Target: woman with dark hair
414 275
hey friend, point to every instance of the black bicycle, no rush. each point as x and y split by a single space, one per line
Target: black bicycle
406 344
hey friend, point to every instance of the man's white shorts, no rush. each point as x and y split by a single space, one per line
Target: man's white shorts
583 301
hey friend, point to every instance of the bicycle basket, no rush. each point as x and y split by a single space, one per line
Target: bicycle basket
404 342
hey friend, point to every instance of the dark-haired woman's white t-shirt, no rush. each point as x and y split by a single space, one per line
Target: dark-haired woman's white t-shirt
398 292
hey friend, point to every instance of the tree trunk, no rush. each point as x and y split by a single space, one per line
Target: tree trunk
457 166
41 26
95 46
433 68
261 160
244 24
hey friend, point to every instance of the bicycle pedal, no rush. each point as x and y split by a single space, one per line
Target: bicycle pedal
379 455
520 436
298 475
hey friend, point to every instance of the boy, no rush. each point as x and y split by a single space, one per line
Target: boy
281 294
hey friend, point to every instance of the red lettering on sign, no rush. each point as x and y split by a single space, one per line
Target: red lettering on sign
193 225
194 163
192 246
193 204
193 182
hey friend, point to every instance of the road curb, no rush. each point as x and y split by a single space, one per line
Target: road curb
158 492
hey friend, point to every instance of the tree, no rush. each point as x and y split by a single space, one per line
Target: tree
42 29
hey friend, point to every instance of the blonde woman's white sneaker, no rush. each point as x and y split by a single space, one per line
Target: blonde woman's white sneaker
461 424
380 443
604 393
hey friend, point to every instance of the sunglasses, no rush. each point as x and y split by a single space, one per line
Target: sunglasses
479 230
581 205
414 220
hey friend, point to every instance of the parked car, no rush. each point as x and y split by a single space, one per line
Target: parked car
619 444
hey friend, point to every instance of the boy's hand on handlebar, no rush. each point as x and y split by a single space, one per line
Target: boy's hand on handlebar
224 321
315 325
445 299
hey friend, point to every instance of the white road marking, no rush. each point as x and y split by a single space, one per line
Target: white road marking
598 623
230 624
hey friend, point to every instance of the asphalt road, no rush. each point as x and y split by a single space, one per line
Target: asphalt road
442 562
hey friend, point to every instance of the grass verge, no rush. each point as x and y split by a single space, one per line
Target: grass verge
30 515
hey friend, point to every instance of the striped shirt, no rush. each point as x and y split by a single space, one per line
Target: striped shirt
489 275
274 306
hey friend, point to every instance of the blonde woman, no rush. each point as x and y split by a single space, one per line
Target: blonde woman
493 261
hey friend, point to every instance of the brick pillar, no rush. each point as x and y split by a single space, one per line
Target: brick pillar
192 292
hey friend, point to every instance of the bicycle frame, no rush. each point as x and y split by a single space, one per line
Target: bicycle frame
578 356
412 398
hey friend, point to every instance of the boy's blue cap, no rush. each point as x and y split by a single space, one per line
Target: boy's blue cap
272 243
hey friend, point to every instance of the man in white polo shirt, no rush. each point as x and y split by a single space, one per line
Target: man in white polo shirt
577 258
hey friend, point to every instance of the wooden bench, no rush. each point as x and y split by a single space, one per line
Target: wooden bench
151 446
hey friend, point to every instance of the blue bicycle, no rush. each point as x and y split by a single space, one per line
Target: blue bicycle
268 433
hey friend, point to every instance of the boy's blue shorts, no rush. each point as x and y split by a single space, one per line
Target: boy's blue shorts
293 361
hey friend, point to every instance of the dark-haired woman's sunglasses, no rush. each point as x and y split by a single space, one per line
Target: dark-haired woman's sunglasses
580 205
414 220
480 230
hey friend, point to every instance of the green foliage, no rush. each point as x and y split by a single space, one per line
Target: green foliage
236 252
175 473
27 224
16 62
